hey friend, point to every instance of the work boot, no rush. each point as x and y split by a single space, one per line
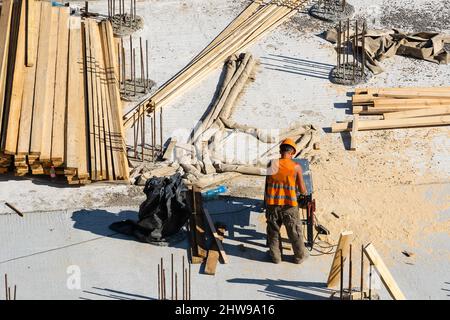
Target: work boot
299 260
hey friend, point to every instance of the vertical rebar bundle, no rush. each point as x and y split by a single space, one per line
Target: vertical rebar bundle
8 290
186 280
351 53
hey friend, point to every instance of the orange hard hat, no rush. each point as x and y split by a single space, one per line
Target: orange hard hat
289 142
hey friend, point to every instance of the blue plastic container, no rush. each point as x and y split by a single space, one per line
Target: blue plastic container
213 193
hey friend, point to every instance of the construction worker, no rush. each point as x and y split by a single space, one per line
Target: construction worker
284 177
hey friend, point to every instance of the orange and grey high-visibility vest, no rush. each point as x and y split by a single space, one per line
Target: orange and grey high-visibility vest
281 188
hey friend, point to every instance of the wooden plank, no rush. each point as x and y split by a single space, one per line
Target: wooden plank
368 110
214 254
116 110
216 236
343 246
110 79
354 139
15 106
23 145
394 123
90 102
47 116
75 135
105 104
408 95
5 26
32 32
418 113
197 223
100 138
41 86
383 271
410 102
60 100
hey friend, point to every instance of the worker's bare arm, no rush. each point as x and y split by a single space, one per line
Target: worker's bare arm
300 182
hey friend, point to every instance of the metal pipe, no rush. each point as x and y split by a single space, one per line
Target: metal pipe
362 272
342 277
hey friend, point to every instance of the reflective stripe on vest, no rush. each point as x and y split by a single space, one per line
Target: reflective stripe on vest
281 187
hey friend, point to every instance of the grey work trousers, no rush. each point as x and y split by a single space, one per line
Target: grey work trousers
289 217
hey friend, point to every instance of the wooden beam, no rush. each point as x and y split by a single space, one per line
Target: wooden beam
216 236
47 115
5 26
15 106
394 123
410 102
41 87
368 110
23 145
76 144
354 139
343 246
214 254
385 275
445 110
60 100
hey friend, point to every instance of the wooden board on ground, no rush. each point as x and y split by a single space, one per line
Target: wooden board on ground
343 246
197 224
385 275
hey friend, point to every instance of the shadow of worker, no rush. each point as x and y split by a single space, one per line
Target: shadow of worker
97 221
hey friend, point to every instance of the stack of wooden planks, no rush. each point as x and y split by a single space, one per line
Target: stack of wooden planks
59 96
259 18
398 108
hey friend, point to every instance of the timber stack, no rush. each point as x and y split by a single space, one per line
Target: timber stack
397 108
60 105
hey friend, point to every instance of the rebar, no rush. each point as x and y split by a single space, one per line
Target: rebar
134 71
142 60
189 280
362 272
161 128
171 276
6 286
184 297
159 284
350 266
154 134
142 132
370 281
176 286
146 56
342 276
